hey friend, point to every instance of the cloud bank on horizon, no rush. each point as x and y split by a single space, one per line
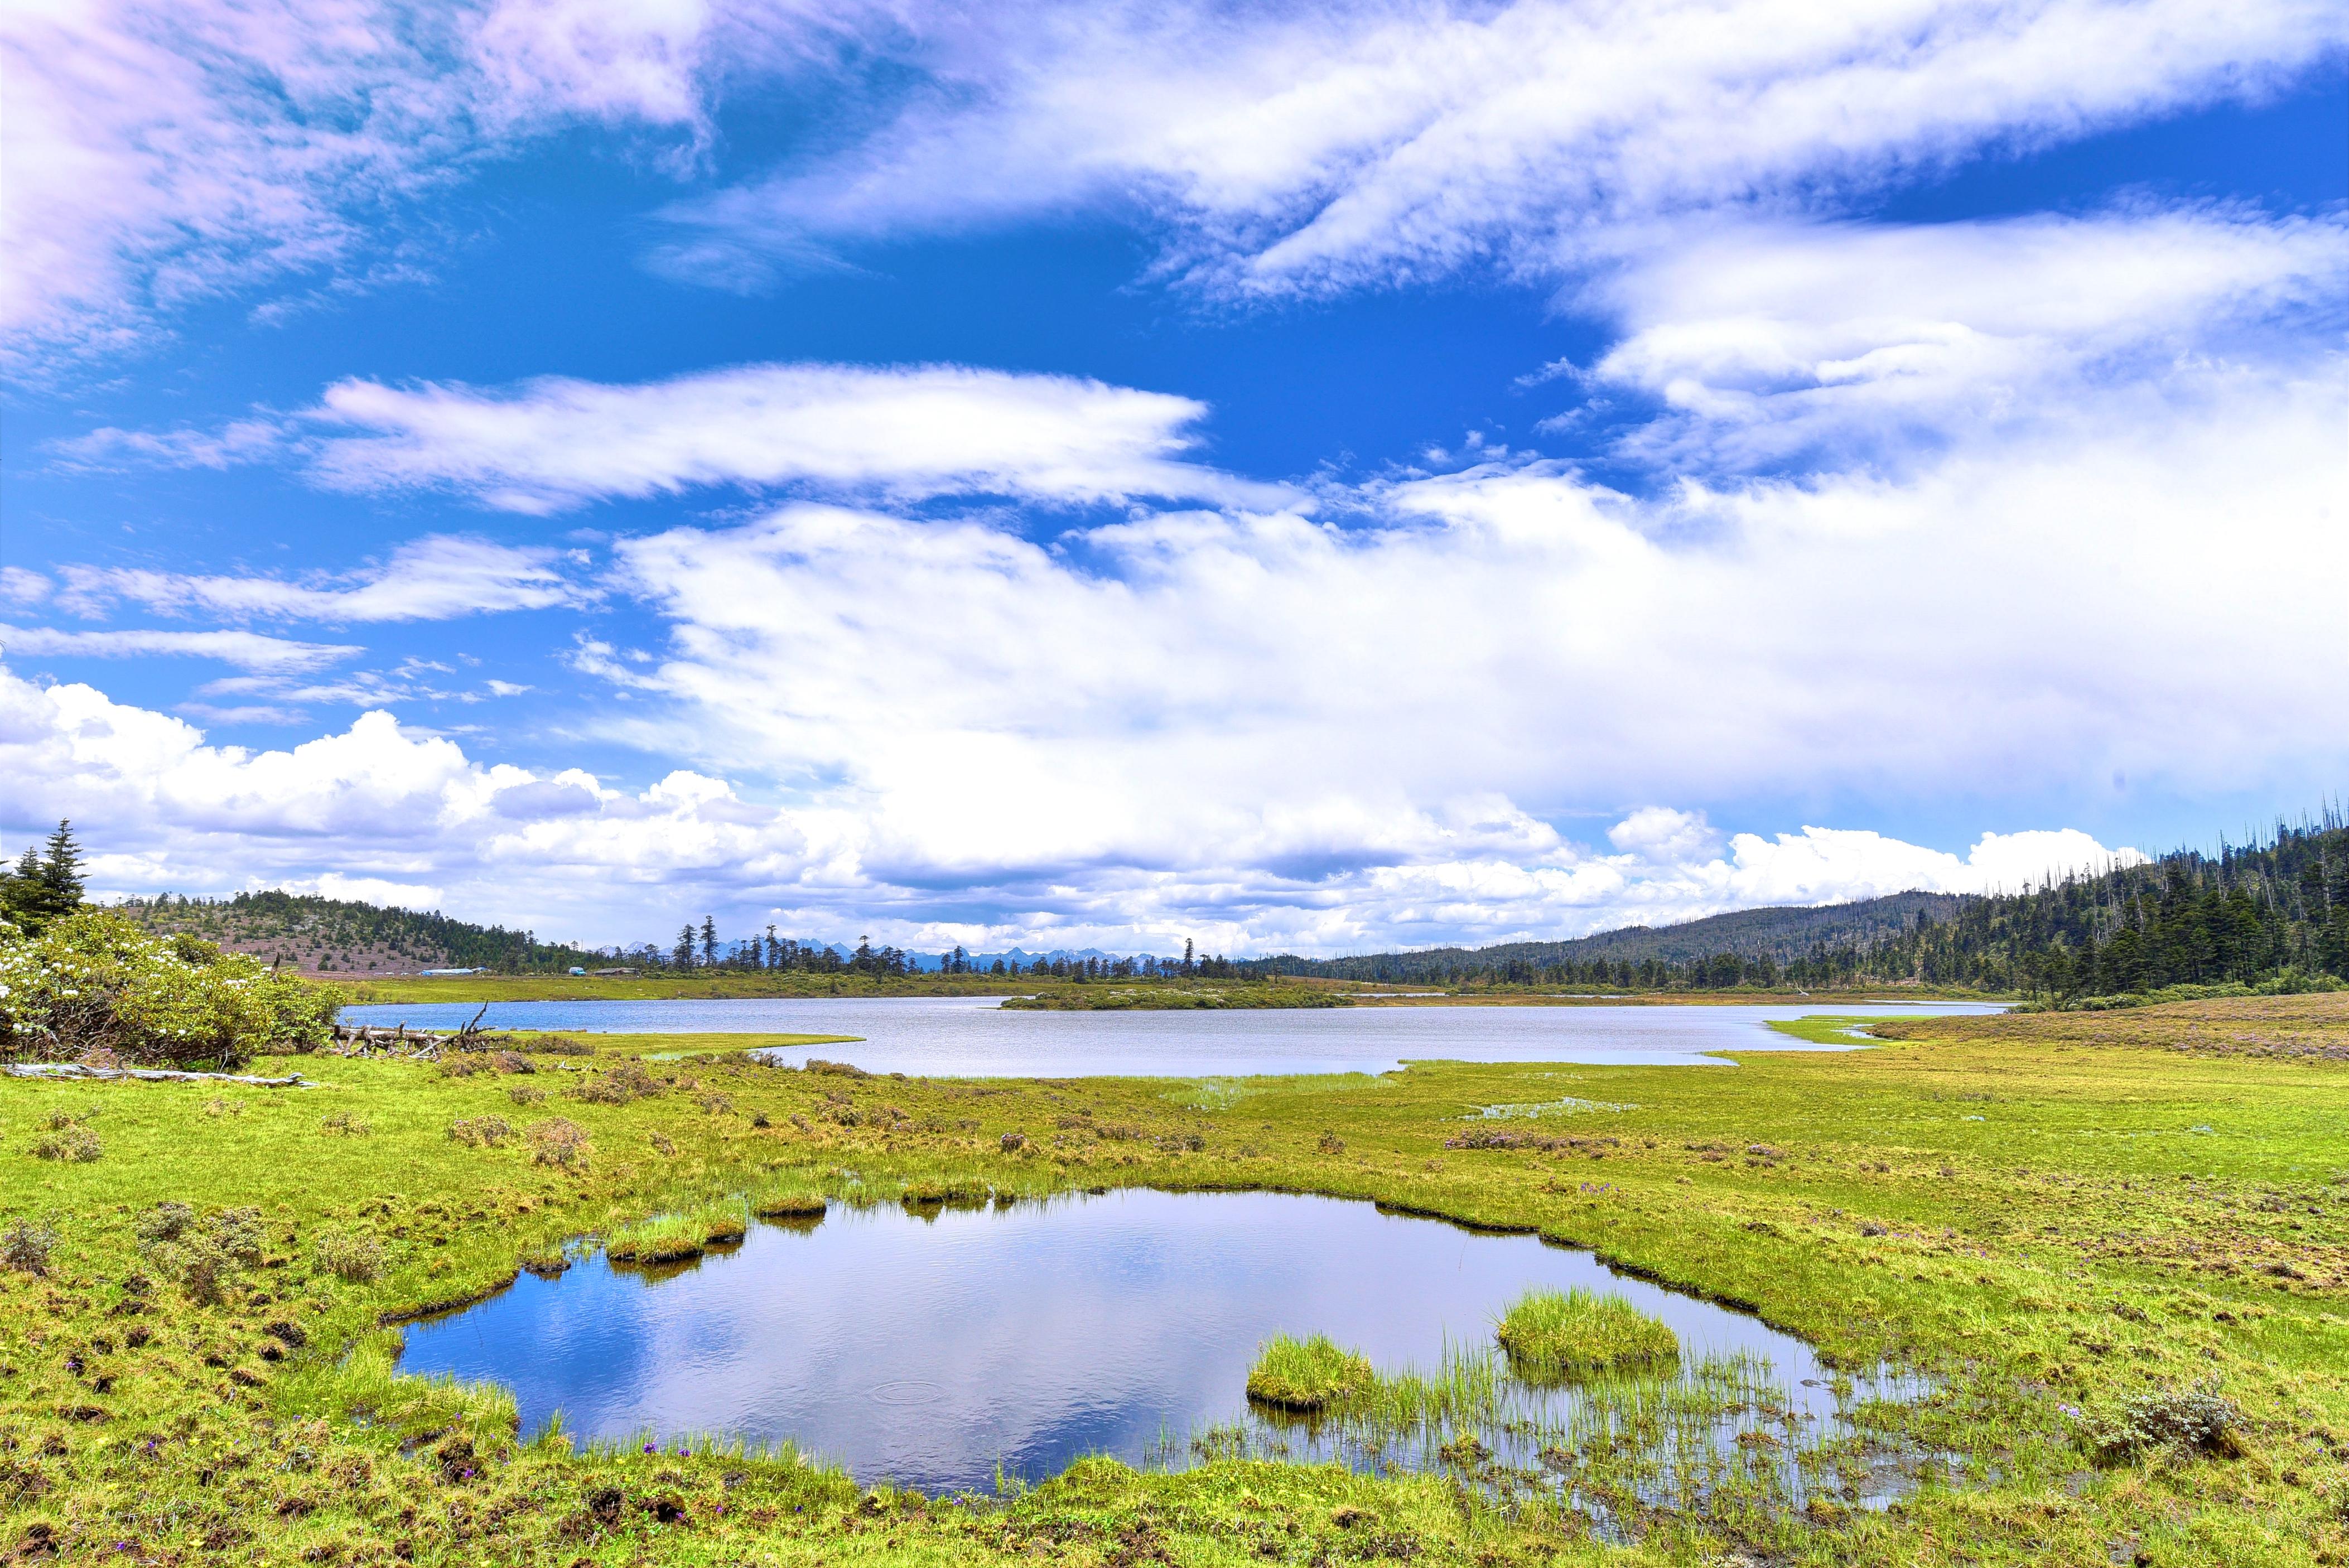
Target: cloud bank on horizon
1831 516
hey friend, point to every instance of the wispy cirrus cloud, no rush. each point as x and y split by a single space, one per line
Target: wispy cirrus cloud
898 432
158 155
430 579
246 650
1838 345
1287 150
161 154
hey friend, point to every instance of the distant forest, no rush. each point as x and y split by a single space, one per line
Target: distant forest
2272 911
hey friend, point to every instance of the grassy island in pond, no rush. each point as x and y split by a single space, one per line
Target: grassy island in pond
1558 1334
2113 1248
1310 1373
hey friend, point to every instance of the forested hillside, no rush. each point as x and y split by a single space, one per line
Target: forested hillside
340 937
1782 936
2274 911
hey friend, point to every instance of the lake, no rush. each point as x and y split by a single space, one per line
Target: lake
975 1036
933 1348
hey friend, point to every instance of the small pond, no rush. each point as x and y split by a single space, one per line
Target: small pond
976 1036
941 1349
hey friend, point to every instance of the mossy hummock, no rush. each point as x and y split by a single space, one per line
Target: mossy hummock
1311 1373
1558 1334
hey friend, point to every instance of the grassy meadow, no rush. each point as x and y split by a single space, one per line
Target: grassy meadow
2076 1225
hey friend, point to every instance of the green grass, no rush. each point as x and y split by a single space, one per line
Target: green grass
1561 1334
787 1201
1309 1374
2049 1220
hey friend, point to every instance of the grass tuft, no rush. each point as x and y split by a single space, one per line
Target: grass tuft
787 1201
1557 1334
1311 1373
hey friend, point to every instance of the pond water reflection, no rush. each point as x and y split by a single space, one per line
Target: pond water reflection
932 1348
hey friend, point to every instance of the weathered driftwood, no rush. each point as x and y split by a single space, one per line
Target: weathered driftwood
149 1075
424 1045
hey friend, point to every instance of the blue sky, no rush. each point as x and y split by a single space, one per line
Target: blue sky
1299 478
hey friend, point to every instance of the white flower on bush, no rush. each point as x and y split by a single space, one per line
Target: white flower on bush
94 978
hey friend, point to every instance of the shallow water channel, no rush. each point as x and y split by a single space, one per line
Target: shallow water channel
941 1349
976 1036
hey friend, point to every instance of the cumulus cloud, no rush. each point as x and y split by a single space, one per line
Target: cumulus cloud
246 650
429 579
376 800
1279 689
387 814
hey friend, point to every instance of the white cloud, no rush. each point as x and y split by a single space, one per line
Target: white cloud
429 579
419 896
905 432
159 154
155 154
1377 143
1266 689
246 650
1820 865
19 587
1851 343
382 813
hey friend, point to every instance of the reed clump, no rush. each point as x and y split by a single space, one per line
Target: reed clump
1310 1373
1558 1334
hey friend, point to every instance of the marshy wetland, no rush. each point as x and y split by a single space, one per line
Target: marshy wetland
2105 1255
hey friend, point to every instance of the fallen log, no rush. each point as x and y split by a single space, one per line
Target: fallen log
148 1075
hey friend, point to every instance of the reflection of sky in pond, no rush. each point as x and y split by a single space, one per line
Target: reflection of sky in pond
927 1350
976 1036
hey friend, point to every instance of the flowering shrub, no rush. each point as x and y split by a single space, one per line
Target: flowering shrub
2182 1421
94 981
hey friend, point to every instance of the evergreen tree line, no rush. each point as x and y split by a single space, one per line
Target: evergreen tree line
2273 911
701 947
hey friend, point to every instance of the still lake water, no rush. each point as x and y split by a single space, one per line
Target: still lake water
975 1036
930 1348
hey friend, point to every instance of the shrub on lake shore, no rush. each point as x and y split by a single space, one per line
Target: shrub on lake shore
93 981
1553 1333
1310 1373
